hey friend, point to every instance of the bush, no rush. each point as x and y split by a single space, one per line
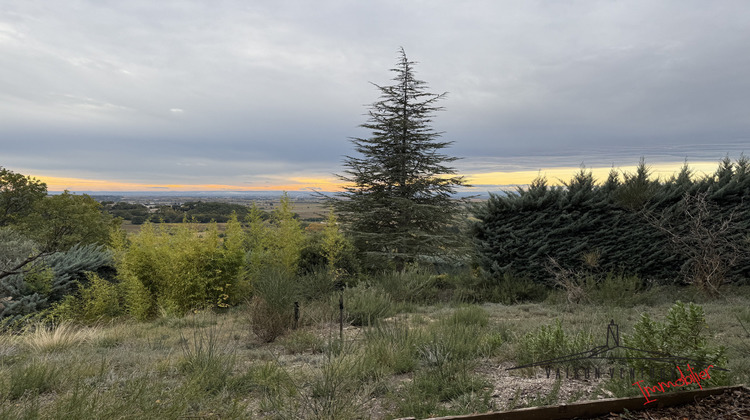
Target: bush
100 299
517 232
549 342
272 306
683 334
177 270
414 284
364 304
393 346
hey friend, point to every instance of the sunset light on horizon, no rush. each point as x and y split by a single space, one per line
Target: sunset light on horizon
481 182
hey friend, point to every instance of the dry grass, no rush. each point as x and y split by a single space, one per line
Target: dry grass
153 370
44 338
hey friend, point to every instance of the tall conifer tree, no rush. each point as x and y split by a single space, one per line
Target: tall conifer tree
398 204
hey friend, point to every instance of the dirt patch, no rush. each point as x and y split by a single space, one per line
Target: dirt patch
512 389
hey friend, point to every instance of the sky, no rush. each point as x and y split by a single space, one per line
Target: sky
144 95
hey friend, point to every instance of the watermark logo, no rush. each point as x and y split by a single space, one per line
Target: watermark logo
661 387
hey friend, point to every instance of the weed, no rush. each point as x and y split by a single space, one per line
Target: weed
337 392
393 346
272 307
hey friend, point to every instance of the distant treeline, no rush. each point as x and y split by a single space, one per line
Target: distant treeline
626 224
198 211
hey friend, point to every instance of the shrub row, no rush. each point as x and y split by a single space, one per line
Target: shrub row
620 225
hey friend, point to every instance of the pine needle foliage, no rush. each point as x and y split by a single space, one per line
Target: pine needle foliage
398 204
634 224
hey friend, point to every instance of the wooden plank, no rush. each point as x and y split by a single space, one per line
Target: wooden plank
596 408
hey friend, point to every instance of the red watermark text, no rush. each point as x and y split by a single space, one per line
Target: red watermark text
661 387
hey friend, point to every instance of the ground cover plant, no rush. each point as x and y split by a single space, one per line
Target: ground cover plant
424 360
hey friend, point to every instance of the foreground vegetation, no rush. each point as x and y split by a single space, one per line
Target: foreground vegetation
417 360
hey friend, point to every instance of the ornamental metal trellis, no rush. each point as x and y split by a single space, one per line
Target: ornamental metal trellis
607 352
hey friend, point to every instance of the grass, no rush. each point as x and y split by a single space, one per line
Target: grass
433 360
55 338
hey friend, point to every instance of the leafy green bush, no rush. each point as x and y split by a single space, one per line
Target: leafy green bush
177 270
100 299
683 334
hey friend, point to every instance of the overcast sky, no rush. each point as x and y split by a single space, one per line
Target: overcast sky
252 94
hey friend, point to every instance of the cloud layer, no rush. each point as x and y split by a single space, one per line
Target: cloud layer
260 93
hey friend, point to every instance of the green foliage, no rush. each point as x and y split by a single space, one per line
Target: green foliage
100 299
50 280
31 379
397 205
302 341
683 334
201 212
393 346
178 270
61 221
448 353
18 196
46 245
549 342
206 360
414 284
337 392
332 243
519 232
272 305
275 245
365 305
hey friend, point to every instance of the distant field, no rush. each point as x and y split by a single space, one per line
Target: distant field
130 228
309 211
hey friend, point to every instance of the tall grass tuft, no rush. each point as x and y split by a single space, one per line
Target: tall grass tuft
56 338
207 361
365 305
37 377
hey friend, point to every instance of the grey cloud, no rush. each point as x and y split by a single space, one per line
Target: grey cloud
128 90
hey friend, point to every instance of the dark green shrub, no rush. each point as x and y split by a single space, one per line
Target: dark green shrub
517 233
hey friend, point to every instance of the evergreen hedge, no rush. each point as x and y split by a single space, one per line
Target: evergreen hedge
616 222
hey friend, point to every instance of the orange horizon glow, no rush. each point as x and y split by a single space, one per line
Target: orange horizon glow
555 176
